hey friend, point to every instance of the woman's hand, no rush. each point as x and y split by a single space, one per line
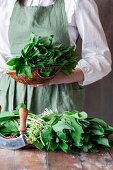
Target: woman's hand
61 78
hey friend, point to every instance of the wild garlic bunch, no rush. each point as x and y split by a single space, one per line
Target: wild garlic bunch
37 123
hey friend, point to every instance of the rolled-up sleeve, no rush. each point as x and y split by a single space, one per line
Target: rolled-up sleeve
96 56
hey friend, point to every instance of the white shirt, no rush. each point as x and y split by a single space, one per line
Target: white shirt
83 19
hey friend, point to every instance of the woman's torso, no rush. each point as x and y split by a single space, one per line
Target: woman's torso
6 8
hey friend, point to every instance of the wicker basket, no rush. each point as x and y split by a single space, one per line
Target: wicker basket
36 77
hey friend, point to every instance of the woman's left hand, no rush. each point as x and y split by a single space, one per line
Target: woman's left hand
61 78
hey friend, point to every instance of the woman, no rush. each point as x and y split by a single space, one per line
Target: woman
66 19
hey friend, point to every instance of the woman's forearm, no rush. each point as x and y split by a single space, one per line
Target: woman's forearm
78 75
61 78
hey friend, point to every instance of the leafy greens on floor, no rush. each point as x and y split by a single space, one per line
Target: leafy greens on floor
41 52
70 131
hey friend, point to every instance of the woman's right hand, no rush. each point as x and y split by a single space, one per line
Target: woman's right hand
62 78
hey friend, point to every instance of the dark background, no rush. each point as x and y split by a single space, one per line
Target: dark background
99 95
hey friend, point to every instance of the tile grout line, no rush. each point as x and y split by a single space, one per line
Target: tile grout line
80 161
110 154
47 165
13 163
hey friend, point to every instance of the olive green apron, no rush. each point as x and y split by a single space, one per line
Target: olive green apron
43 21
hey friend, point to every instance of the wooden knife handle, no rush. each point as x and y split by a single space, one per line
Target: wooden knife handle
23 112
0 108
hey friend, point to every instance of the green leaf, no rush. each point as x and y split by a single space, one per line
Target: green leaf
102 141
97 132
98 129
17 68
53 119
26 47
32 35
57 140
47 135
30 48
23 53
34 53
46 74
28 71
47 41
12 62
10 127
86 147
35 39
76 134
109 130
20 105
94 149
74 53
7 116
63 146
99 121
58 127
70 113
38 145
86 138
62 136
77 138
81 115
53 146
22 71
